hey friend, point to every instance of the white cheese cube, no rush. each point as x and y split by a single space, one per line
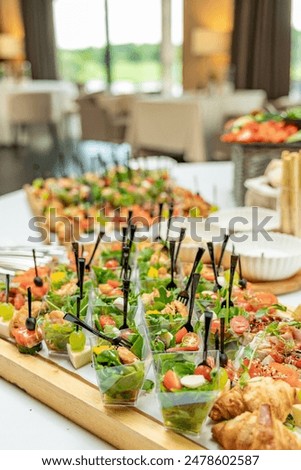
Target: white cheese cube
79 358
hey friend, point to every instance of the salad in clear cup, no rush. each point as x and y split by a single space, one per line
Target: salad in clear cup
107 313
56 331
121 372
162 310
186 390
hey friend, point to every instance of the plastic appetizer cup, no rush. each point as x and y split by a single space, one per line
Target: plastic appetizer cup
104 308
56 331
186 395
120 372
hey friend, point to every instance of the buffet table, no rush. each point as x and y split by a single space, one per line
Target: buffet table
48 429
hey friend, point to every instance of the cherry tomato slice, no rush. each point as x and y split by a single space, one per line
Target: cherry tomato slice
113 283
203 370
171 381
112 264
239 324
105 320
190 340
215 325
180 335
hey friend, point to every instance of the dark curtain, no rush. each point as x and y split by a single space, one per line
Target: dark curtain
39 38
261 44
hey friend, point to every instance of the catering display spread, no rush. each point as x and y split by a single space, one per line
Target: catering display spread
219 358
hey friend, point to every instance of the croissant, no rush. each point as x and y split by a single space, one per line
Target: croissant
259 430
278 394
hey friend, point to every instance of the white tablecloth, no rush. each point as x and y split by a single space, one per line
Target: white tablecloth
28 424
65 94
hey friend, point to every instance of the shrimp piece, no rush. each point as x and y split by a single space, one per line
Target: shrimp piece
67 289
149 299
162 271
56 316
174 308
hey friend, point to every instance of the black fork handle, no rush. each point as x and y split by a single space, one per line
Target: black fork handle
195 282
99 237
77 321
234 259
170 214
126 287
132 235
81 274
35 262
197 259
211 253
7 283
208 318
75 251
222 334
181 238
226 238
29 302
172 257
159 217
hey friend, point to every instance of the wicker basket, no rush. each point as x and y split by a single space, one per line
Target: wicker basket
250 161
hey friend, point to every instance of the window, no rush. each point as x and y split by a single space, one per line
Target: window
135 35
295 50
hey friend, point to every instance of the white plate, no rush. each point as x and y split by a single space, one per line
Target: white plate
246 219
261 186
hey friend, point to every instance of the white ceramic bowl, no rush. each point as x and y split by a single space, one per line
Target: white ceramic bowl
245 219
267 260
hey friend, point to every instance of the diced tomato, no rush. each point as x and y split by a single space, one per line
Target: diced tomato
180 334
39 292
114 283
112 264
105 320
255 369
277 356
19 301
239 324
115 246
171 381
264 299
25 337
215 325
203 370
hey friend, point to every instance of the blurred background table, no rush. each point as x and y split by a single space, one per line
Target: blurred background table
62 93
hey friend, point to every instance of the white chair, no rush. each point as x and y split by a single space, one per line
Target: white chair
35 108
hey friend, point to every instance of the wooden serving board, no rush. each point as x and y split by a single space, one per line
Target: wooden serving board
80 401
285 286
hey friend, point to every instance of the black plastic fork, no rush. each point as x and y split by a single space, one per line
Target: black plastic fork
228 302
195 281
183 296
99 237
172 285
126 288
119 341
210 247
